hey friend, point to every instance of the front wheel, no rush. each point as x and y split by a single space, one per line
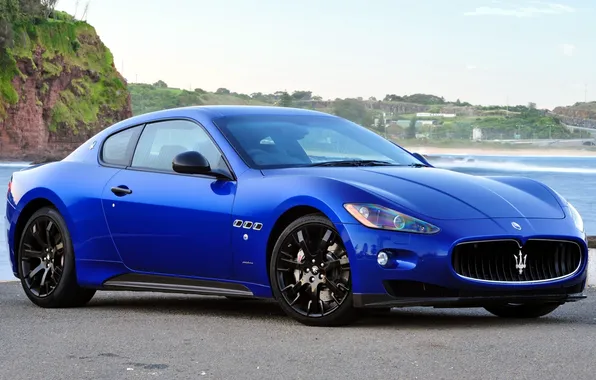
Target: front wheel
310 273
46 262
522 310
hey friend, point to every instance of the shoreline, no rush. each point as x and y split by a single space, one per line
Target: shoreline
490 151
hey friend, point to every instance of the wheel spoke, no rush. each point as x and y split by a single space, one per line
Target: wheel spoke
35 234
321 307
295 299
338 289
342 264
286 254
48 238
29 253
289 264
45 274
35 271
300 238
325 241
335 299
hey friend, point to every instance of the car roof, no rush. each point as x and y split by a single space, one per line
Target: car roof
212 111
234 110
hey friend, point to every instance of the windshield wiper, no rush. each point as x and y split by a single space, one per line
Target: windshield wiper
417 165
355 163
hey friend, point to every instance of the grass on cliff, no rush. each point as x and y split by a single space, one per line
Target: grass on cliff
8 70
69 47
148 98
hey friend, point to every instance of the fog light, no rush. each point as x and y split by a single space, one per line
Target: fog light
382 258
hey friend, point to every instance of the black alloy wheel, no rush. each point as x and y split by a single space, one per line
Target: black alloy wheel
46 262
310 273
42 256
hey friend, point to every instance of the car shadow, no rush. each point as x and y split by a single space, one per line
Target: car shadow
268 310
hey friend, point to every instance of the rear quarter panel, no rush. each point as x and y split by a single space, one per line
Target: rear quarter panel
75 189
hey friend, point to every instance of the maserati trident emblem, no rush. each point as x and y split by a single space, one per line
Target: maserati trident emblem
516 226
520 262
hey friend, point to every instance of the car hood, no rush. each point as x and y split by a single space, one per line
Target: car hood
446 194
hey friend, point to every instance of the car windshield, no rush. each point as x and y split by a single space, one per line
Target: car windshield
278 141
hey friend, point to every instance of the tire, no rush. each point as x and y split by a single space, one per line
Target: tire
54 266
302 287
523 310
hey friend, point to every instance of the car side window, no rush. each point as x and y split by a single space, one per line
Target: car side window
118 148
161 141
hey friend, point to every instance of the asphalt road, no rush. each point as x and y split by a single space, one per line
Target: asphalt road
146 336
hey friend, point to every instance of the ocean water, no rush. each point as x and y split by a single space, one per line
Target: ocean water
572 177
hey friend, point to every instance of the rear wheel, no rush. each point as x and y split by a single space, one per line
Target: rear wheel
310 273
46 262
522 310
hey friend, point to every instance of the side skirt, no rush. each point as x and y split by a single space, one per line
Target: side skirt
166 284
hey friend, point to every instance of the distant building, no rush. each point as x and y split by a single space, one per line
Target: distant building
476 134
404 123
428 114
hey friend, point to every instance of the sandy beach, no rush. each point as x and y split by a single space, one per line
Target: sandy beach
490 151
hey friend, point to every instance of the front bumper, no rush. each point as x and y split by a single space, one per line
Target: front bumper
423 274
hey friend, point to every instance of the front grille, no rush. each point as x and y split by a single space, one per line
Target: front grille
497 260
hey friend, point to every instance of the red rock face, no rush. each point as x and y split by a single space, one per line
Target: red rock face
24 133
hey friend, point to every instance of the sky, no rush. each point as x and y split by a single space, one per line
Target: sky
480 51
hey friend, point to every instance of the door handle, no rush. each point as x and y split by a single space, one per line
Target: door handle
120 191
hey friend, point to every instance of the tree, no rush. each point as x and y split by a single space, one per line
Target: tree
381 123
49 6
532 106
302 95
393 98
222 91
353 110
160 84
411 131
6 34
285 100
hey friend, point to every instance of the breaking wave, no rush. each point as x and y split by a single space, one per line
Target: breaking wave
14 164
473 163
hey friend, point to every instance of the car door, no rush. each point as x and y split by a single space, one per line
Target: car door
163 222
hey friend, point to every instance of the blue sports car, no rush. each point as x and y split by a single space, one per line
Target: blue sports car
314 211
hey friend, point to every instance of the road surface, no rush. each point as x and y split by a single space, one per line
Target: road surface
153 336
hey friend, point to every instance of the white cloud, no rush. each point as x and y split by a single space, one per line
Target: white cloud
539 8
568 49
471 67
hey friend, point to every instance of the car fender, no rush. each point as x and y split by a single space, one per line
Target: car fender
38 193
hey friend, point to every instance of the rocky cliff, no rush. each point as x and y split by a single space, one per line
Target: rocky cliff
58 87
579 114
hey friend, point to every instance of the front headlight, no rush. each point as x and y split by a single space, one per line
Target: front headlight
376 216
577 219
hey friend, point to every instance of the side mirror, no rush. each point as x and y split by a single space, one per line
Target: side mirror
191 162
422 159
